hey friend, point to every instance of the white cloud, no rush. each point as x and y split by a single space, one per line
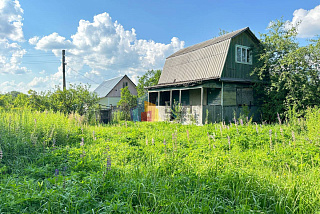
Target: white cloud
13 86
53 41
107 49
11 20
308 20
11 52
34 40
10 58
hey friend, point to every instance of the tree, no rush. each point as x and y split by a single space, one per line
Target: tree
289 73
127 102
21 101
150 78
77 98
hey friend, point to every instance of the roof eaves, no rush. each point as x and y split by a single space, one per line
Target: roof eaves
198 81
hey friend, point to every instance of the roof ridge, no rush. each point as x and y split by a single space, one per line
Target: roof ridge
227 36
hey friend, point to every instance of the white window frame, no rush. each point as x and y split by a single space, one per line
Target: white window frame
246 51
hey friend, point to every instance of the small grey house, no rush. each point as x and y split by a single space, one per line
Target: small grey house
211 80
109 91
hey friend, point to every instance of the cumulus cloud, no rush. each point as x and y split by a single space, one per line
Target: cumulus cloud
34 40
11 20
11 52
13 86
107 49
308 22
10 58
53 41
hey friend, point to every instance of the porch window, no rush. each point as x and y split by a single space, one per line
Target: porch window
243 54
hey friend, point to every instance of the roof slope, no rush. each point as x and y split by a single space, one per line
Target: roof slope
199 62
106 86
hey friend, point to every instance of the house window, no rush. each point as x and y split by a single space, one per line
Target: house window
243 54
244 96
125 84
214 96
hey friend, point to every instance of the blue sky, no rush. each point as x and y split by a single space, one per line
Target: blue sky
105 39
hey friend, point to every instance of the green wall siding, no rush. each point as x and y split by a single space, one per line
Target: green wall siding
232 69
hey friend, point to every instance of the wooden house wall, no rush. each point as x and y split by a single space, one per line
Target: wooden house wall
232 69
116 91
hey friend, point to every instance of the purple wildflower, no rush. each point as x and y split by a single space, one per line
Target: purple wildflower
229 142
164 142
147 141
108 163
108 160
293 136
82 141
1 154
241 122
152 141
56 173
278 116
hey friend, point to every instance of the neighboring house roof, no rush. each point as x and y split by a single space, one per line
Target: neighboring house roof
106 86
202 61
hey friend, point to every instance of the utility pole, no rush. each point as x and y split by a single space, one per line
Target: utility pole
64 68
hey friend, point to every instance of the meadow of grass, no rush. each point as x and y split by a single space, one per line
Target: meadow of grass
52 163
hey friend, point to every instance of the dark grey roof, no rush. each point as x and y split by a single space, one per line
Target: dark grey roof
208 42
106 86
201 61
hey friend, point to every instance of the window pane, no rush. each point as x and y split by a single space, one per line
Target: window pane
244 55
238 54
249 56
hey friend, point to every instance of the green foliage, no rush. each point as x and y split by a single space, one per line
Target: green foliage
53 163
150 78
76 99
313 124
290 72
176 110
126 102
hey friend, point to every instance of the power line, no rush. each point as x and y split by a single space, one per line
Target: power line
82 74
40 62
87 77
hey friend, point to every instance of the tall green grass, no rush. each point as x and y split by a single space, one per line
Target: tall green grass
57 164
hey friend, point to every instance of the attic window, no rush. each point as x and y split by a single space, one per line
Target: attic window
125 84
243 54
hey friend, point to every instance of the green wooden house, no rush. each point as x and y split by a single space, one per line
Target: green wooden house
211 80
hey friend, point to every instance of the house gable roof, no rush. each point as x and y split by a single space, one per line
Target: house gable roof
201 61
106 86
